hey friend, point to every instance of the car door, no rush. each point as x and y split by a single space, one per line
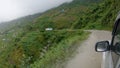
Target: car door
116 40
115 57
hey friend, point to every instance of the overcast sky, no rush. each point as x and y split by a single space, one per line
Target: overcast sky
11 9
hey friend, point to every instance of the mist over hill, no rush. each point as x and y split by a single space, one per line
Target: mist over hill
10 10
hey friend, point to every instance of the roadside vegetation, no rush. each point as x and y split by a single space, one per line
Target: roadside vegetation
101 16
32 46
59 53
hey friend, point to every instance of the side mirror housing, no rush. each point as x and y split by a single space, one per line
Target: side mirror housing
102 46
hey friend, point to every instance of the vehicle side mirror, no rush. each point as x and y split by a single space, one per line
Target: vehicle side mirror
102 46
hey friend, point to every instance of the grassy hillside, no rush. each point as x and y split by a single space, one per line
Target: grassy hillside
101 16
30 45
64 16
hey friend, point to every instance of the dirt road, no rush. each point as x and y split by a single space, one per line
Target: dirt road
86 56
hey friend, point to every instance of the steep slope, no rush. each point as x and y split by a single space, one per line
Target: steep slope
101 16
64 16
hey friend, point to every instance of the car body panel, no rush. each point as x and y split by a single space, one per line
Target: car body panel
118 64
107 61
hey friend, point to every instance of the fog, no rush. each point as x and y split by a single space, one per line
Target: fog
11 9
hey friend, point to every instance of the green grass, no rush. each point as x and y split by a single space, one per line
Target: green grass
26 49
101 16
57 55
